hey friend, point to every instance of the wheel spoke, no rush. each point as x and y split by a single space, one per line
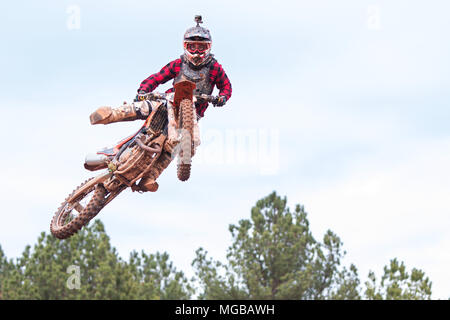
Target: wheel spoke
77 206
66 220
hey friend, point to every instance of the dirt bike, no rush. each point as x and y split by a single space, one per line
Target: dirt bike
173 119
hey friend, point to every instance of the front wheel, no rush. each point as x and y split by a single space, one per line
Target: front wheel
82 205
187 147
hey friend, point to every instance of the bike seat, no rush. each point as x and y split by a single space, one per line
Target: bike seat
122 142
113 151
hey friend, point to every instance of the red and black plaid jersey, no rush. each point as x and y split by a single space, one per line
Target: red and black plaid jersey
217 77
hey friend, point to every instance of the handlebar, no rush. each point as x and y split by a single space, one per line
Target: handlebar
207 98
163 96
152 96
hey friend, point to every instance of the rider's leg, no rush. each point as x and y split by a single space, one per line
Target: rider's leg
148 183
126 112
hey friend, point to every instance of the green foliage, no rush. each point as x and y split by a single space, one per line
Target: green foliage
275 256
157 277
44 271
4 270
397 284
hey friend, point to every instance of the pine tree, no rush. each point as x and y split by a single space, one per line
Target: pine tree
4 270
397 284
275 256
86 266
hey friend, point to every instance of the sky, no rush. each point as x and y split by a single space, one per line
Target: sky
339 106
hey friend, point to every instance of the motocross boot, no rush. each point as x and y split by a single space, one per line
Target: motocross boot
148 182
126 112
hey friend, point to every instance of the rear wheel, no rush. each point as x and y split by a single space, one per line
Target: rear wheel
186 143
75 213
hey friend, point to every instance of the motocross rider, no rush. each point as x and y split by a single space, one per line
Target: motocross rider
196 62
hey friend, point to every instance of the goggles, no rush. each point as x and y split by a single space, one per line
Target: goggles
197 46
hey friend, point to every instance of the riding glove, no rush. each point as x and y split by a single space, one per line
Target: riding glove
221 100
139 96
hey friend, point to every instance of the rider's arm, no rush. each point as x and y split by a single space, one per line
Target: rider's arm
221 80
167 73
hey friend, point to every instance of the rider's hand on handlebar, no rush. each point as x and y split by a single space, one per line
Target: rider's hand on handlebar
140 96
221 100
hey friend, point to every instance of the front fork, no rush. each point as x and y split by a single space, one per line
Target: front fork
196 130
172 126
